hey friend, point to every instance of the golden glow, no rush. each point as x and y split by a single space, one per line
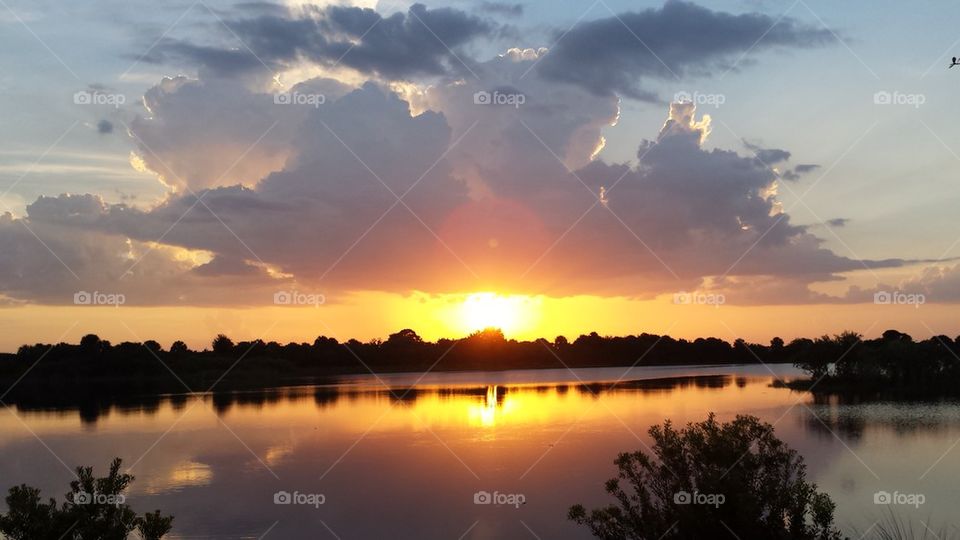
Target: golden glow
368 315
510 314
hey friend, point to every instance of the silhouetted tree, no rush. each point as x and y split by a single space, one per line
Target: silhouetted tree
90 344
894 361
710 479
94 509
179 348
153 346
405 336
894 335
222 344
153 526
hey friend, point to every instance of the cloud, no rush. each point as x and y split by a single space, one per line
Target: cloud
794 174
493 196
472 183
935 282
74 256
420 42
686 213
501 8
838 222
104 127
209 133
768 156
328 218
614 55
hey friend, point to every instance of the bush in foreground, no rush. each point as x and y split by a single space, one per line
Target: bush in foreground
94 510
709 480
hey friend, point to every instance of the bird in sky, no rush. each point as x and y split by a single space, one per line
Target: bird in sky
954 63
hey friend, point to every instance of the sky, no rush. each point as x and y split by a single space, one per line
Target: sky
738 169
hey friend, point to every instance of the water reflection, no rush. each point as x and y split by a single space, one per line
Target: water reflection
402 459
91 408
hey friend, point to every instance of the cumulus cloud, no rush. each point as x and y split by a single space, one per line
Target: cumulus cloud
607 56
934 283
616 54
209 133
492 195
329 216
421 41
472 183
72 256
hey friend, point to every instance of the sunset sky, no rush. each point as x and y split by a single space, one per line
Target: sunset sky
746 168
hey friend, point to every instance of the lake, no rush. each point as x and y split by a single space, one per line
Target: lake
405 455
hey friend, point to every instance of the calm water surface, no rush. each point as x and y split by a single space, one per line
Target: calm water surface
410 467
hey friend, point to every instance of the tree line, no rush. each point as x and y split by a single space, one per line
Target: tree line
894 358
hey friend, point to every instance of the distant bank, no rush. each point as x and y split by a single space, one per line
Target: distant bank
97 366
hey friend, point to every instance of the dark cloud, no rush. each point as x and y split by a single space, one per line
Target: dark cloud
502 8
838 222
615 54
768 156
261 7
104 127
794 174
420 42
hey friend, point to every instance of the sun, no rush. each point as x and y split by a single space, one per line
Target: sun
511 314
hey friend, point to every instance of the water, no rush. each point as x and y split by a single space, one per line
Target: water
410 468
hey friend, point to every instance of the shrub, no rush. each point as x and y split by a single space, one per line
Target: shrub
710 480
94 510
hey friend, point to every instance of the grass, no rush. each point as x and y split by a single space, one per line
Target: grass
894 527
